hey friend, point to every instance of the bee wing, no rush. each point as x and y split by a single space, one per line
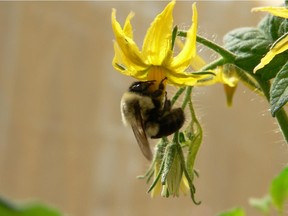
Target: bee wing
139 132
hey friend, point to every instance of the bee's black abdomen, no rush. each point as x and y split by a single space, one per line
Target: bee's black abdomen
170 123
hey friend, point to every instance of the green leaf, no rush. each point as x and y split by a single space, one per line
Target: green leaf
279 90
263 204
36 209
249 45
273 26
233 212
279 190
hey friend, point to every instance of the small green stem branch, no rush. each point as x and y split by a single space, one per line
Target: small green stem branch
218 62
177 95
227 55
187 97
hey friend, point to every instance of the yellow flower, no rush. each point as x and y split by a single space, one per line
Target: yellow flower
281 45
226 75
155 61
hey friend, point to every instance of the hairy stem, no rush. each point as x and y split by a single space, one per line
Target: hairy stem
229 56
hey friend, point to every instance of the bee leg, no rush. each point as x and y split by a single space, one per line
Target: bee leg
161 85
160 89
167 104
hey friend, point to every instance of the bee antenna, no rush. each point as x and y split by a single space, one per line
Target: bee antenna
165 78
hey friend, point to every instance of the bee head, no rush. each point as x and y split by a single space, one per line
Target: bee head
142 87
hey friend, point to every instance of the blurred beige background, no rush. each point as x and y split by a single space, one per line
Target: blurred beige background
61 137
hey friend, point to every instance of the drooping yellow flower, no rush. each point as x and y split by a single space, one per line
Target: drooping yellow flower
227 75
155 61
281 45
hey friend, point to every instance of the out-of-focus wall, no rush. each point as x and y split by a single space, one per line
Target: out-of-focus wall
61 136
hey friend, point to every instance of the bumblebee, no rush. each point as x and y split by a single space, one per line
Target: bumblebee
148 114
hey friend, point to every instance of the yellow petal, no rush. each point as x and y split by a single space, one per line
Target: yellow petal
279 47
183 79
157 189
229 92
183 59
223 74
128 30
197 63
125 66
125 42
157 42
276 11
229 76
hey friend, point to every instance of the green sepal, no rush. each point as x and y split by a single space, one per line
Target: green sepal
174 35
160 149
181 138
279 90
170 153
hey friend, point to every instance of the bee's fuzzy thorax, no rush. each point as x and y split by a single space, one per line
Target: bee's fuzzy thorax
127 106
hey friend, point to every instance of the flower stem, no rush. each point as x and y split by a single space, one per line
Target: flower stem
218 62
187 96
227 55
177 95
